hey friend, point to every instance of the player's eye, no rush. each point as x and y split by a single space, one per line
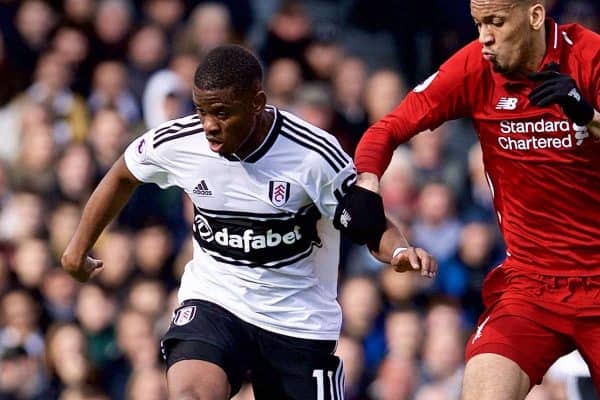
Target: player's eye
222 115
498 23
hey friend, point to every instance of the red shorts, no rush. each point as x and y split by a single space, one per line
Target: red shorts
534 319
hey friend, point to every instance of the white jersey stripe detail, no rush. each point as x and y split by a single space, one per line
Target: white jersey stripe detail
175 129
177 122
286 132
339 392
255 216
567 38
315 135
310 137
177 136
247 263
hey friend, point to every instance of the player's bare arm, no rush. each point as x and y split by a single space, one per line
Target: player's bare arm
106 201
594 125
361 216
395 250
369 181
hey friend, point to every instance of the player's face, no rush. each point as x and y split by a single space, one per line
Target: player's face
505 33
229 119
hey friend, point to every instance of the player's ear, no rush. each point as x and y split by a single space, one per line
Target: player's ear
259 102
537 16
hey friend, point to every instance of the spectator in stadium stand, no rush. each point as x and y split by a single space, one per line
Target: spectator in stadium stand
111 88
166 14
260 291
477 203
66 359
350 351
282 82
147 384
75 173
396 379
209 26
404 333
436 226
465 271
531 87
431 160
348 85
113 24
361 311
147 54
384 89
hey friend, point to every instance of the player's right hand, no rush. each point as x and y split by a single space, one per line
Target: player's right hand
81 269
415 259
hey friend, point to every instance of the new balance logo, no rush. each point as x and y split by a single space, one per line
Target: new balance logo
345 218
575 94
581 133
506 103
201 189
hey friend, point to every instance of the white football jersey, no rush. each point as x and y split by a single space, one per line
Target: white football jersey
264 245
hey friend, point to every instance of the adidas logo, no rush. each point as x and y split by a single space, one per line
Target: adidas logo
201 189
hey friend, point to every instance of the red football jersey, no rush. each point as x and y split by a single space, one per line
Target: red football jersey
543 170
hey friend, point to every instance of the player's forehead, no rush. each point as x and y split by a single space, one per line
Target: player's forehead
486 8
226 96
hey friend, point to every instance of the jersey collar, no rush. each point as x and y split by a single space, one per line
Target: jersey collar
266 144
554 43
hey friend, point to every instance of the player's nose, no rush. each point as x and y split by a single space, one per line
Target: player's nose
485 36
210 125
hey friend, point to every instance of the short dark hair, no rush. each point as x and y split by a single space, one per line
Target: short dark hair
229 66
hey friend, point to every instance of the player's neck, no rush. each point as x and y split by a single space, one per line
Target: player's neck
538 51
257 136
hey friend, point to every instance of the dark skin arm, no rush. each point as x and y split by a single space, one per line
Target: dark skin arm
104 204
413 258
594 125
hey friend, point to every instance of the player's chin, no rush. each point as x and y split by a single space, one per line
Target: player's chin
501 69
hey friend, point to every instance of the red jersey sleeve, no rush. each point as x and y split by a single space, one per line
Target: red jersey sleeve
583 60
591 56
445 95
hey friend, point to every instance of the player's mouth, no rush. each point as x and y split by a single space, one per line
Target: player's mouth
489 56
215 145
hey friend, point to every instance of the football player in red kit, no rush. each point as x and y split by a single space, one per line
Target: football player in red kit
532 89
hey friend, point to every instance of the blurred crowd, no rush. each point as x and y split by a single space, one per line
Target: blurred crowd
82 78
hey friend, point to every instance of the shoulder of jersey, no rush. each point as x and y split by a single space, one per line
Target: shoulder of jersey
582 41
174 131
309 138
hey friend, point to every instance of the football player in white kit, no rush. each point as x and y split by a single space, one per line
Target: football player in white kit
260 293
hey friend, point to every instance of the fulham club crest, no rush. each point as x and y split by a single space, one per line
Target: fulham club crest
184 315
279 192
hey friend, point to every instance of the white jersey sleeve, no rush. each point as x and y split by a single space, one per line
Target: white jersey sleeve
326 185
144 163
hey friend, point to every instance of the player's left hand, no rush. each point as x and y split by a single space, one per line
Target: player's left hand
561 89
415 259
